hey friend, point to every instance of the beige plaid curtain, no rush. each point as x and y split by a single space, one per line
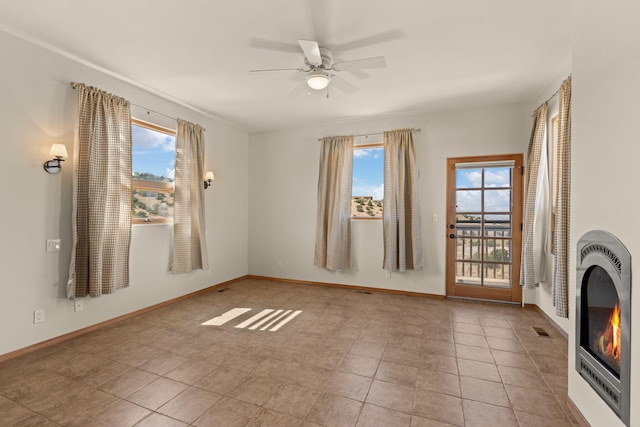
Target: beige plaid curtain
189 237
563 193
529 274
333 226
101 216
401 209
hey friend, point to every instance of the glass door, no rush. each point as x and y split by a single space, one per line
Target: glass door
483 234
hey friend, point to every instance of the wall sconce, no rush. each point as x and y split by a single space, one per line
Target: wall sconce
59 152
208 177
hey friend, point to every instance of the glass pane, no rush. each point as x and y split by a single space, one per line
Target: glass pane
153 154
368 182
497 225
152 204
468 200
469 178
468 225
468 248
497 177
468 273
498 275
497 201
497 250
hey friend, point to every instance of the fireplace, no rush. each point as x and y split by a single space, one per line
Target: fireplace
603 323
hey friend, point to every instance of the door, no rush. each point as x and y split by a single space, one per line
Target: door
484 220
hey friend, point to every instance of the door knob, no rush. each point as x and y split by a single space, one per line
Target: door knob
452 236
452 226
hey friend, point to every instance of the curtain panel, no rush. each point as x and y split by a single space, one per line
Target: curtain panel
531 271
101 215
563 198
189 236
333 220
401 209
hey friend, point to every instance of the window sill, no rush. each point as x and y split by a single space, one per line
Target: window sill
157 221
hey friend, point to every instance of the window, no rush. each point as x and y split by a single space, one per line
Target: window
367 192
153 165
553 171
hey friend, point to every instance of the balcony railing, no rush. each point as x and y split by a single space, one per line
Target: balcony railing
483 253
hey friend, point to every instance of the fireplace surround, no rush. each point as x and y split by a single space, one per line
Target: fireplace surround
603 318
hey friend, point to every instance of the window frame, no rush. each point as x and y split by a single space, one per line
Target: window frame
146 185
359 147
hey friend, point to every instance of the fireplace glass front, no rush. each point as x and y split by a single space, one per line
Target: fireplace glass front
601 330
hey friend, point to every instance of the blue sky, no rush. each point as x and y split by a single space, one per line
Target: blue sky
368 172
153 152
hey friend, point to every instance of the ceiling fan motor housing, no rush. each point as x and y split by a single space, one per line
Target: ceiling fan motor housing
327 60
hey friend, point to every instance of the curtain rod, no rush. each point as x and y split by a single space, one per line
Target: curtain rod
556 92
552 96
148 110
366 135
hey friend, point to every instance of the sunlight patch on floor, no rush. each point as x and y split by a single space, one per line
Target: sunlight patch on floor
268 319
224 318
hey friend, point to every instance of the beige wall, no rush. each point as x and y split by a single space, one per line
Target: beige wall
605 152
37 108
284 167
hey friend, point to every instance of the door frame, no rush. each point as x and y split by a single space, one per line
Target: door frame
514 293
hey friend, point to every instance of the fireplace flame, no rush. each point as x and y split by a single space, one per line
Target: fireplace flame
610 340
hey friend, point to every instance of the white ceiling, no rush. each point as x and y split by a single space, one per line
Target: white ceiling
441 55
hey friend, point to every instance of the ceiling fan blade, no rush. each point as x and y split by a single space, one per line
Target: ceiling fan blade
370 40
274 45
360 74
276 69
344 85
298 90
359 64
311 51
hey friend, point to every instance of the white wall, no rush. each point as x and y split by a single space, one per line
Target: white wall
37 108
283 187
605 152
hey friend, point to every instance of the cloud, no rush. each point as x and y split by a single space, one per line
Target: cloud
497 200
468 201
497 177
474 177
493 177
494 200
376 191
374 153
147 139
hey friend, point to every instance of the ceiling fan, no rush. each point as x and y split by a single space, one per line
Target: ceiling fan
320 70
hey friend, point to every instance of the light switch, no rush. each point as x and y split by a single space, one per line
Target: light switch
53 245
434 218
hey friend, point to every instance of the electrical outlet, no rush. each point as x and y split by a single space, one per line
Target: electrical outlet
387 273
279 264
38 315
78 305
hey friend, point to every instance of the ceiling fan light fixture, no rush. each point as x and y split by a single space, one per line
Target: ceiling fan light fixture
318 80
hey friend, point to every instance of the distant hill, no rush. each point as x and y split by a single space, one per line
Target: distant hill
366 207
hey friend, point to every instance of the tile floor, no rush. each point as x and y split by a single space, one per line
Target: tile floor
349 359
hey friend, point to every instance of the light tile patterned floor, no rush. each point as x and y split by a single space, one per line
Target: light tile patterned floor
349 359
